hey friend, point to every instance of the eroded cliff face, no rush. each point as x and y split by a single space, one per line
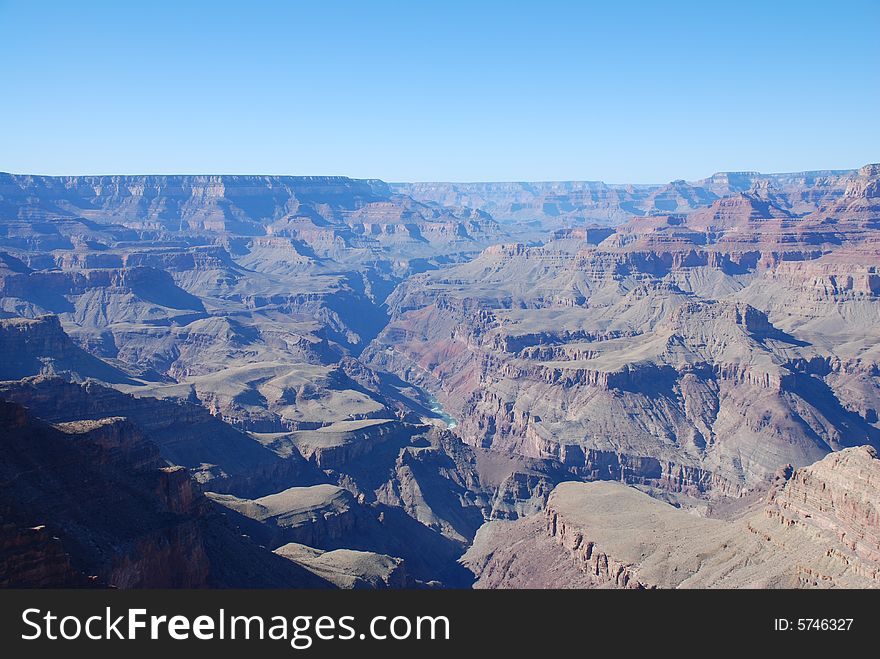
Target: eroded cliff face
569 203
41 347
218 456
816 527
288 342
837 496
248 295
87 503
326 212
31 557
407 489
695 353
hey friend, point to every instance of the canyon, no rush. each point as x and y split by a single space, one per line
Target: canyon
269 381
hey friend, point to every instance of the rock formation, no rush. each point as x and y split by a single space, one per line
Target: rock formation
347 568
817 527
693 353
321 380
572 203
89 503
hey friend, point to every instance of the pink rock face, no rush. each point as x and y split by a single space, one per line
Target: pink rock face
838 494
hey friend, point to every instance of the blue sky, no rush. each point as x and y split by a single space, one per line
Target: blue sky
618 91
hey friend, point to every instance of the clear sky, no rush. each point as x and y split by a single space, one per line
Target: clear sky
406 91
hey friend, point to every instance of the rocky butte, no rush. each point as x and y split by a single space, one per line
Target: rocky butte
653 386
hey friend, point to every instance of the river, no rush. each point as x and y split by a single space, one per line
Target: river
437 409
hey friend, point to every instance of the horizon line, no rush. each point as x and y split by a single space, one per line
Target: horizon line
442 181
